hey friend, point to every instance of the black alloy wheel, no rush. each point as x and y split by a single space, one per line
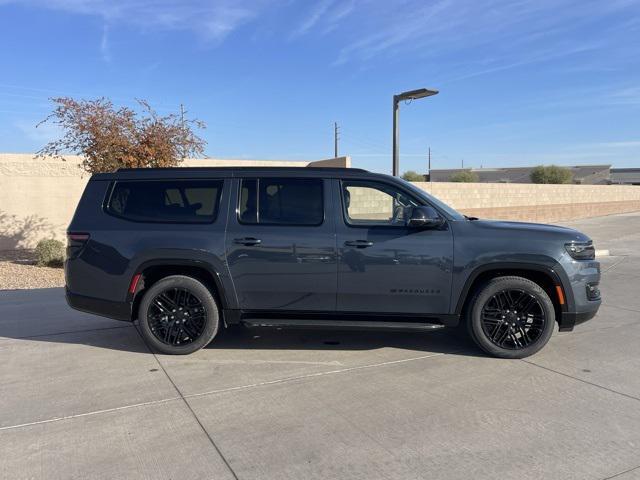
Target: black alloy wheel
513 319
176 317
510 317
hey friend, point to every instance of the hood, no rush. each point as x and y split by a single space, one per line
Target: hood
567 234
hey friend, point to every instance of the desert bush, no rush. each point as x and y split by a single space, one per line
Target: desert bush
466 176
412 176
50 253
551 174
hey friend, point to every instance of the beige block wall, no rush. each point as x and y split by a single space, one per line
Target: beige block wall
536 203
38 196
491 195
517 201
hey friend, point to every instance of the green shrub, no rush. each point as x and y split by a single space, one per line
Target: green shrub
465 176
412 176
50 253
551 174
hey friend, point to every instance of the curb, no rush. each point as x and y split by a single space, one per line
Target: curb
603 253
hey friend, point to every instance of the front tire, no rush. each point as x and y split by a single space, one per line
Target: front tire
178 315
510 317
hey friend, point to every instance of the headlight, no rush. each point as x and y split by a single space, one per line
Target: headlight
581 250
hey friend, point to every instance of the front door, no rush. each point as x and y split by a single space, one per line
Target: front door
385 266
280 244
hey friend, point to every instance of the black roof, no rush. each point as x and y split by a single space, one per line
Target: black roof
625 175
625 170
228 172
585 173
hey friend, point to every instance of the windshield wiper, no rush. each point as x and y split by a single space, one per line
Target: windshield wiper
471 219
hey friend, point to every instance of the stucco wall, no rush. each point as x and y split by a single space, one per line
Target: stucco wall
524 202
512 201
38 197
536 203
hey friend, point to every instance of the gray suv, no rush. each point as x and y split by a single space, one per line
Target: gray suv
190 251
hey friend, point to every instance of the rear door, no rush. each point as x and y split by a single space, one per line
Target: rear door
280 244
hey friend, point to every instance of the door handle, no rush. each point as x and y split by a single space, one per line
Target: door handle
358 243
247 241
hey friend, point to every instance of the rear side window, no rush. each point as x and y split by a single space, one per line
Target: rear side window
281 201
171 201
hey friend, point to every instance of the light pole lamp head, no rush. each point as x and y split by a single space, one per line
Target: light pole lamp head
415 94
410 95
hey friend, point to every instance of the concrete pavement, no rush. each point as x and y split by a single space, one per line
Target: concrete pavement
82 397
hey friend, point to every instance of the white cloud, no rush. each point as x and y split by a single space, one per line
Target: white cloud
211 19
625 96
492 33
104 44
326 13
314 17
608 145
40 135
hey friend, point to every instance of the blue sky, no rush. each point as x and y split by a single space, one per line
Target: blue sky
521 82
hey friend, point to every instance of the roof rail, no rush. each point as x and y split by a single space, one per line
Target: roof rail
137 169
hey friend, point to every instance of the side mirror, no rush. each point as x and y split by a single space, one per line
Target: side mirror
424 217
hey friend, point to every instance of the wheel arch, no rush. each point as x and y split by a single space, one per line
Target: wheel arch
152 271
545 276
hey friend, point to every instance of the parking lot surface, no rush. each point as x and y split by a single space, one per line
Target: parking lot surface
83 397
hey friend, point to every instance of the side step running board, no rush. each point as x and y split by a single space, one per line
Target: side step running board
346 324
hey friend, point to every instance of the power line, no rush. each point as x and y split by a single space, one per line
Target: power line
370 143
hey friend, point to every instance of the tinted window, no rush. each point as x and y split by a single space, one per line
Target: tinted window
281 201
369 203
183 201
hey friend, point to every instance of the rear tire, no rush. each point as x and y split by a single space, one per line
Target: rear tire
178 315
510 317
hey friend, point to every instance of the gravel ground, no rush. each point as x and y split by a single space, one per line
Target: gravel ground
18 271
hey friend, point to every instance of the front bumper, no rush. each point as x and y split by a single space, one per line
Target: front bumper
580 283
568 320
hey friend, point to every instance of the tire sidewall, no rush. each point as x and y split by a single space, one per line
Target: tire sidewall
486 292
200 291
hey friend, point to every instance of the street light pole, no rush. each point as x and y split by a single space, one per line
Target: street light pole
410 95
396 135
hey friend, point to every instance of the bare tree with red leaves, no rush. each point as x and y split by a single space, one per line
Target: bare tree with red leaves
108 138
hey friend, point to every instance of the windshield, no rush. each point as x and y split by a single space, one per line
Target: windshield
454 214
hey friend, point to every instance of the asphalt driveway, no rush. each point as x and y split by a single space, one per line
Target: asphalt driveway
82 397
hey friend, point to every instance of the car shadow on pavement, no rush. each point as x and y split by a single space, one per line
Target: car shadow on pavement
439 341
41 315
126 338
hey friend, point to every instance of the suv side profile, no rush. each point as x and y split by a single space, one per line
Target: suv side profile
189 251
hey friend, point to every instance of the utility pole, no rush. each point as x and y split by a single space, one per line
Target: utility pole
336 133
463 163
183 129
429 160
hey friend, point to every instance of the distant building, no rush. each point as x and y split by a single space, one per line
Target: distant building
583 174
627 176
